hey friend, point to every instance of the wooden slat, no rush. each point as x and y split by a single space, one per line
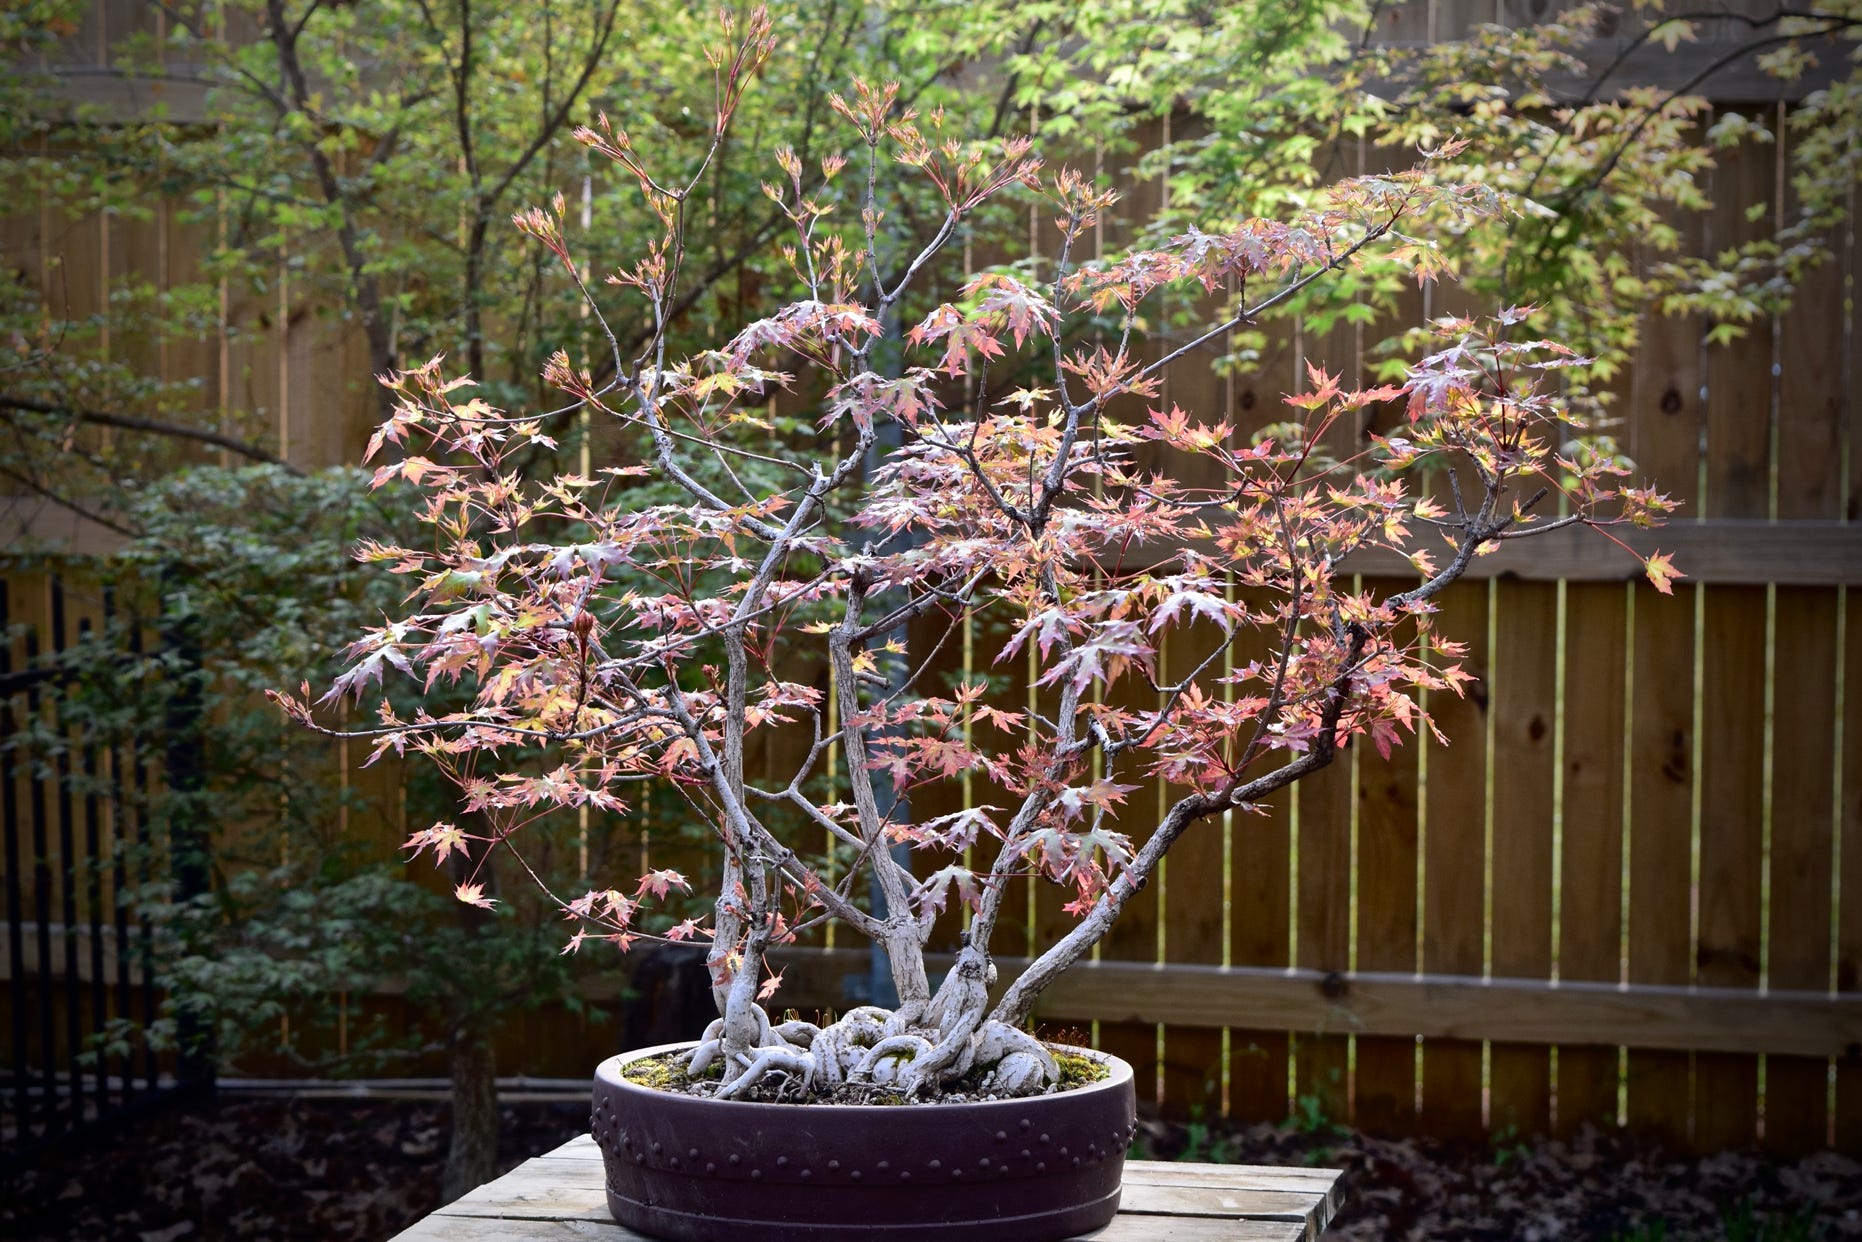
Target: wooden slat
1590 871
1258 899
1806 641
1803 758
1322 1053
1664 415
1733 657
1525 646
1847 1122
1387 844
1193 896
1526 1011
1124 1228
1384 1088
1520 1010
1723 550
560 1196
1455 863
1324 801
556 1189
1262 844
1720 551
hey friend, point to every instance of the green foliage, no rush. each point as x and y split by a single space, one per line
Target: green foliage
1310 1117
252 567
1509 1146
1246 107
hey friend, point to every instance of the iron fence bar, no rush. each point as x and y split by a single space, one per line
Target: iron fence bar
189 844
41 906
145 862
119 878
10 791
93 895
68 889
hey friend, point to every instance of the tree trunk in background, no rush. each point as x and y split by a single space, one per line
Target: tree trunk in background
472 1160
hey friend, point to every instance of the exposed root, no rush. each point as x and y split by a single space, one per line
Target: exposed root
871 1047
793 1061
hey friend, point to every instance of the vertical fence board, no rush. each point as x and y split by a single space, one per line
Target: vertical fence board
1806 641
1384 1088
1455 861
1661 797
1665 423
1798 944
1525 640
1324 800
1259 896
1195 874
1847 1123
1590 871
1733 639
1323 819
1193 923
1134 935
1260 887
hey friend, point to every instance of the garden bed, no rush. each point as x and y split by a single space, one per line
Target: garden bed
344 1169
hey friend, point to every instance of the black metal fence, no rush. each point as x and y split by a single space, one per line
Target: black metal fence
79 846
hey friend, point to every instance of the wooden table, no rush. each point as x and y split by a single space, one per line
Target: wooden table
559 1197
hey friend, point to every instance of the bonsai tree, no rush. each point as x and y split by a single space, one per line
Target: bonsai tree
1001 454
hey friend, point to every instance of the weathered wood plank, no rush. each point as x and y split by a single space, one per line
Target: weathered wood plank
1733 637
1728 551
1847 1123
560 1195
1806 642
1665 424
1519 1010
1590 873
1723 551
1454 910
494 1229
546 1189
1524 708
1134 1227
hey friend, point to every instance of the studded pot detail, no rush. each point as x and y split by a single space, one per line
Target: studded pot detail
698 1170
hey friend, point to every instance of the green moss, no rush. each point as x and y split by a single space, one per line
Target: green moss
1079 1071
666 1072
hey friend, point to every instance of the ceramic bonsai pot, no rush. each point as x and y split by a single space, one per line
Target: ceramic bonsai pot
1035 1169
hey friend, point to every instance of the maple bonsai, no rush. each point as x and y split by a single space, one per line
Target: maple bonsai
641 623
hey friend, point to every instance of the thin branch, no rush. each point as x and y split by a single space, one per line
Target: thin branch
128 422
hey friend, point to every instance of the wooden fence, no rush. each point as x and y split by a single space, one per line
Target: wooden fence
1630 890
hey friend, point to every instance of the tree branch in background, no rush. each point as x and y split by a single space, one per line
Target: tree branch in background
151 426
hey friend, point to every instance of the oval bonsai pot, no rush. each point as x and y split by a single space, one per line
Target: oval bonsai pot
1035 1169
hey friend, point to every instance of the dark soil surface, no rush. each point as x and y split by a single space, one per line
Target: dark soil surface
266 1168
